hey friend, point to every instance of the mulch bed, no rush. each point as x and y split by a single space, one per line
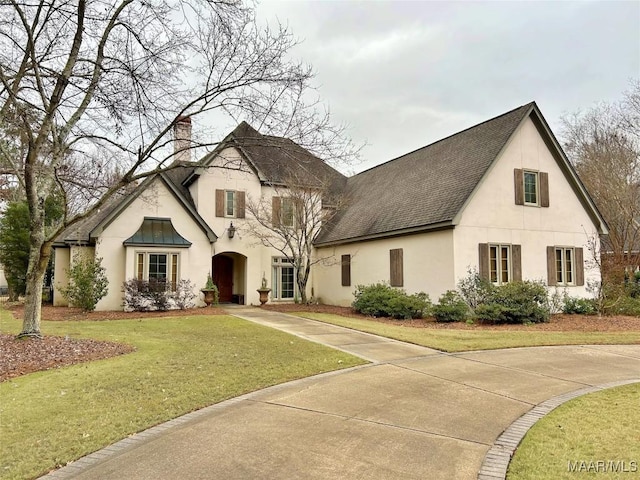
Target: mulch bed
557 323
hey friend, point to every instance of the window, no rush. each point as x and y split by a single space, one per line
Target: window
229 203
396 268
565 266
283 280
530 188
346 270
500 264
287 217
160 267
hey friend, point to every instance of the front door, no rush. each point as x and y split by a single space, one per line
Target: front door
223 276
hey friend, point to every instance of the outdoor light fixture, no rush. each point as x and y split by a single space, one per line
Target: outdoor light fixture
231 231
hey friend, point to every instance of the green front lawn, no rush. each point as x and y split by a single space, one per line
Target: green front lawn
594 436
181 364
454 340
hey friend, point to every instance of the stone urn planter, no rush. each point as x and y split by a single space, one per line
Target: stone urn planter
264 295
210 292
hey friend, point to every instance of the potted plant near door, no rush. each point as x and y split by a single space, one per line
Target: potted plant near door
210 292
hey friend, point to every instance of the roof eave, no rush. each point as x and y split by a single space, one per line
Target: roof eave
393 233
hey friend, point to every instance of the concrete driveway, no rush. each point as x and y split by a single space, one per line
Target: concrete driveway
413 413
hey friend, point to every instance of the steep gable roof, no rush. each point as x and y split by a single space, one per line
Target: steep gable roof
428 188
277 160
87 230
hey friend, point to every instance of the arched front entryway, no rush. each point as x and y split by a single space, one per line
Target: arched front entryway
229 274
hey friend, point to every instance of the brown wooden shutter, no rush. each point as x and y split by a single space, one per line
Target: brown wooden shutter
275 211
516 259
579 266
483 261
396 277
240 208
544 189
518 183
219 203
346 270
551 266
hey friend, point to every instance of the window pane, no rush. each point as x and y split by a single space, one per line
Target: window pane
174 272
568 262
505 264
493 264
287 282
157 266
140 272
287 212
559 269
230 203
531 187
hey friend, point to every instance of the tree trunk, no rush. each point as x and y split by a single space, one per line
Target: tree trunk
38 260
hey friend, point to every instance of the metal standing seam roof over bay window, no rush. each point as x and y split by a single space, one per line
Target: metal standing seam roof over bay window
155 232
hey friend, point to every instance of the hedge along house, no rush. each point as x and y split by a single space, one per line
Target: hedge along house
191 221
500 197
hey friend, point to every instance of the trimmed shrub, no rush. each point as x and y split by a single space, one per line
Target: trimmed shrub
381 300
143 295
88 282
624 306
451 307
475 290
517 302
580 306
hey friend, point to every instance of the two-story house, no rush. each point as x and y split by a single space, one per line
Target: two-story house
500 197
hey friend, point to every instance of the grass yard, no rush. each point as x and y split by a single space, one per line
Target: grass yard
180 364
591 436
457 340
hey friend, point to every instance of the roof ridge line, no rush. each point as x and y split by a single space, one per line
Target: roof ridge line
444 138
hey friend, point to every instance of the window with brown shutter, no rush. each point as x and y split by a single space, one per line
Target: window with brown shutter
565 266
240 205
396 278
500 264
518 183
544 189
219 203
275 211
346 270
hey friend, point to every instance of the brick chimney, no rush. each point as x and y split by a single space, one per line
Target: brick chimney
182 139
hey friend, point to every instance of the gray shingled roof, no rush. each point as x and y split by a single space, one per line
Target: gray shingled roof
280 161
424 188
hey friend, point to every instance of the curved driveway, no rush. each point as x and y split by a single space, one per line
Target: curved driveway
413 413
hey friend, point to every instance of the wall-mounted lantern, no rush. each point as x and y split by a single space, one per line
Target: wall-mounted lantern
231 231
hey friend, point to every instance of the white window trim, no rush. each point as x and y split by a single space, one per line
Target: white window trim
276 270
524 187
235 205
145 272
563 260
499 247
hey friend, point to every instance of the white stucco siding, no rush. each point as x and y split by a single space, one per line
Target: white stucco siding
427 266
156 201
492 216
64 258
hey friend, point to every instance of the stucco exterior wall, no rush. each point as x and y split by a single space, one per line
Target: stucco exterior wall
491 215
427 266
64 258
155 201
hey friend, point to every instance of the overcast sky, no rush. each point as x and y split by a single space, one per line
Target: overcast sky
403 74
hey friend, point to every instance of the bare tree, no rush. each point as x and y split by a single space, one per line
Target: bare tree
97 86
290 220
603 143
